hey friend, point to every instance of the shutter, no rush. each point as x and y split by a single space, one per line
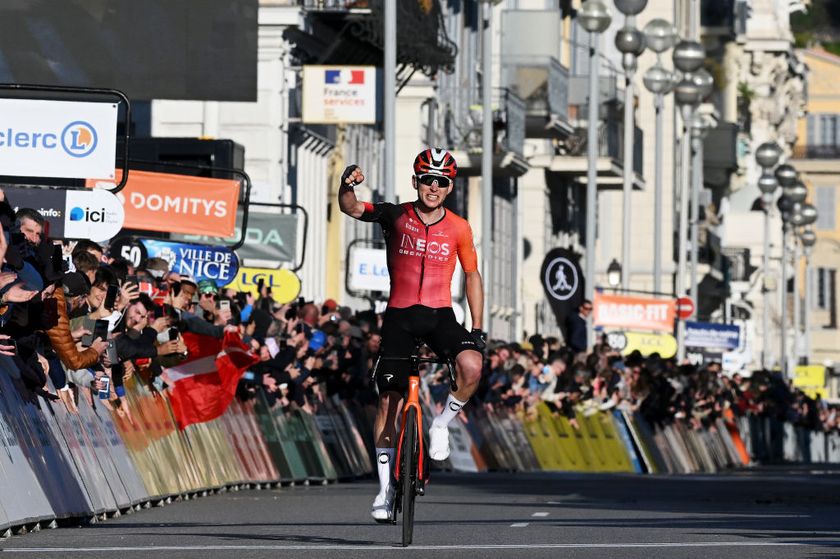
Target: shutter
812 130
827 206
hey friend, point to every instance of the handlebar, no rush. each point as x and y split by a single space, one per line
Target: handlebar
416 360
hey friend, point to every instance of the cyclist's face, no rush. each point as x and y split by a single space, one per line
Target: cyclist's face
431 195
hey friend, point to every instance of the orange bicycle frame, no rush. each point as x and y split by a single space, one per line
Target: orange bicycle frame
412 401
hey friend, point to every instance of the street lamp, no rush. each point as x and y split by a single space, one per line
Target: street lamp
660 35
787 207
631 43
699 129
804 214
809 239
767 156
688 56
614 273
594 17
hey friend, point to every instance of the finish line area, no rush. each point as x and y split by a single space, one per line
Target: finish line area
763 514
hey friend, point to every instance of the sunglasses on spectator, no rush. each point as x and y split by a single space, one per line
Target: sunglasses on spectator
429 180
209 295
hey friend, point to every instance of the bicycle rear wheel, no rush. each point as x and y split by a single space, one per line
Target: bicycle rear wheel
408 474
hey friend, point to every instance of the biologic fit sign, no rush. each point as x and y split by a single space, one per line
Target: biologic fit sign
216 263
66 139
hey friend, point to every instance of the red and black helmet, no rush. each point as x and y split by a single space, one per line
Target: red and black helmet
435 161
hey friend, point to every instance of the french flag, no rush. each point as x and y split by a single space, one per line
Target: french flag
344 77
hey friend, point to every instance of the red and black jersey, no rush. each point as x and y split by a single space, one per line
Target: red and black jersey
421 258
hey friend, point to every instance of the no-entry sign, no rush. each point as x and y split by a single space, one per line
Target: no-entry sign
685 307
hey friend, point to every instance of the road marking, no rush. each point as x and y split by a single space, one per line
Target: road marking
540 514
294 547
519 525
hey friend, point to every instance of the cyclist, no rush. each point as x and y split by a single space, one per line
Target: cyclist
423 241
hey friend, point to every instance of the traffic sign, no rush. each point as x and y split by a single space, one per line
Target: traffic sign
685 307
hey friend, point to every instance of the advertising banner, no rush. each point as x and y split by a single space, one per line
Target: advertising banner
270 240
646 343
284 284
810 379
72 214
92 214
636 313
724 337
563 282
50 203
65 139
369 270
339 94
177 203
215 263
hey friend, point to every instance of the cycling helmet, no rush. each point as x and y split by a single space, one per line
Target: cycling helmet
435 161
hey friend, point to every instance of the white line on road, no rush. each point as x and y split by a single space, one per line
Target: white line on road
294 547
540 514
519 525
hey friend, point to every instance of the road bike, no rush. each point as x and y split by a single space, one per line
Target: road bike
410 466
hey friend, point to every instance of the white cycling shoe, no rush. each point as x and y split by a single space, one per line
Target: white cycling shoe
438 442
382 505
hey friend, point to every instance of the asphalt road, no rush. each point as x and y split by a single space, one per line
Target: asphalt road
772 513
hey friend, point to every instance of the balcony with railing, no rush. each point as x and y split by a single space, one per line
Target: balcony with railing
459 119
816 152
351 32
531 69
571 154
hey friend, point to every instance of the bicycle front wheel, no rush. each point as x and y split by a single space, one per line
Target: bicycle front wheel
408 474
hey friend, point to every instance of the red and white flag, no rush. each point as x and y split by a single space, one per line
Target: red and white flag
203 386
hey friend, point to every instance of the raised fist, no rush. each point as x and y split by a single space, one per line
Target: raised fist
352 176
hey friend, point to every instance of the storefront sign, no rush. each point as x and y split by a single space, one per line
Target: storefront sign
723 337
215 263
339 94
65 139
177 203
563 283
284 284
646 343
636 313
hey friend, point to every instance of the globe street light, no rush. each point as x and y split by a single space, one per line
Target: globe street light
631 43
688 56
767 156
660 35
594 17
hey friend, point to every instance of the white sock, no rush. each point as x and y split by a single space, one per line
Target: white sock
450 410
384 459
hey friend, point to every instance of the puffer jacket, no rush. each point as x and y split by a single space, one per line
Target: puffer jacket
62 339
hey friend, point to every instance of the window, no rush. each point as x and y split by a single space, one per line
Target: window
826 202
823 129
826 285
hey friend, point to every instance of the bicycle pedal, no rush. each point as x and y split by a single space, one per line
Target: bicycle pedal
421 490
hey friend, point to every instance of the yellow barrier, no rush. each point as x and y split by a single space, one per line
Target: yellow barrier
558 446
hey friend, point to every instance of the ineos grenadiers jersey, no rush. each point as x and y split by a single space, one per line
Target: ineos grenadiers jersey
421 258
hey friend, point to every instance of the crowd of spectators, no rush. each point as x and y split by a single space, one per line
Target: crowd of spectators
520 376
91 329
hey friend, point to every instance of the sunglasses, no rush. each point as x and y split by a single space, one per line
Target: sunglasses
209 295
428 180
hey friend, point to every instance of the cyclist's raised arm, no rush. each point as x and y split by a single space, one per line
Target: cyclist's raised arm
347 201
